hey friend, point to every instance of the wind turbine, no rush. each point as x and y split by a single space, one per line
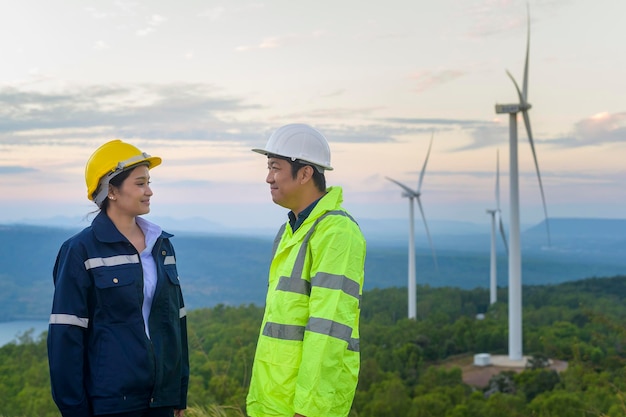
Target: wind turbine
515 258
496 218
414 195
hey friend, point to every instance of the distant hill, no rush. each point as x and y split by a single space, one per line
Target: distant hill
562 228
232 268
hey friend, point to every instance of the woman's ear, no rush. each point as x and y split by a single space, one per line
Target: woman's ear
111 195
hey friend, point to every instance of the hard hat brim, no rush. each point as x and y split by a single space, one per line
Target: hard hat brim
152 161
266 152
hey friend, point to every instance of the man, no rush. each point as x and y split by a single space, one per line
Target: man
307 358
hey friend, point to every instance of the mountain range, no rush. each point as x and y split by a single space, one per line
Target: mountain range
229 266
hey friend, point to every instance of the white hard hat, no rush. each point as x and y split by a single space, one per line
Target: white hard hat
298 141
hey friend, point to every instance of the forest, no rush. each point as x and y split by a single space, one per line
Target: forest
409 367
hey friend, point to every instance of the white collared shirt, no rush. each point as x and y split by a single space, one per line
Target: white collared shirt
151 233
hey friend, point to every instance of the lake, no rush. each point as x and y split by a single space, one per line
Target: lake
10 330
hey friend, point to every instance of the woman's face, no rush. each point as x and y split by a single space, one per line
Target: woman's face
132 197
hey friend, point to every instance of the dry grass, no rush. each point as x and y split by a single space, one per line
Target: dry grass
214 411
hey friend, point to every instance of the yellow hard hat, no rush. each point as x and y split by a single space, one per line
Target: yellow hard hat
109 160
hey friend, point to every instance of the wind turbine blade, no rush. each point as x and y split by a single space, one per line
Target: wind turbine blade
506 247
500 224
532 147
498 179
525 90
419 185
404 187
519 93
430 241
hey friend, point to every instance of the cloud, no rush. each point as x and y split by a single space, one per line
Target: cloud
599 129
101 45
189 183
271 42
213 14
220 12
153 21
492 18
363 134
371 133
96 14
145 31
335 93
34 76
486 135
274 42
482 133
596 130
436 121
496 26
333 113
426 80
12 169
172 111
126 7
156 20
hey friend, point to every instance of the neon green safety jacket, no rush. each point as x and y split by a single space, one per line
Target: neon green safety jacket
307 358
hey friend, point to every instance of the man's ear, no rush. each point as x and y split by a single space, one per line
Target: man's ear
306 173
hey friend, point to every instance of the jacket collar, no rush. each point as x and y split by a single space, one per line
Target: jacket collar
105 230
332 199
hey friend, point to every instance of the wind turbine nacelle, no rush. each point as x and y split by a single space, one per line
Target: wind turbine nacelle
508 108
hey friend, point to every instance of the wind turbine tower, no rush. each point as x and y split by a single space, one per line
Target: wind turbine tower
414 195
496 220
515 258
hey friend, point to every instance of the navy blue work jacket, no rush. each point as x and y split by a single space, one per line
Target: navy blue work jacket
101 360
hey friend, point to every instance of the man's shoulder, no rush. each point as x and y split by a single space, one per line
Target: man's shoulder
338 215
338 220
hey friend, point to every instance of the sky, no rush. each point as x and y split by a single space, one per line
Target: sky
200 83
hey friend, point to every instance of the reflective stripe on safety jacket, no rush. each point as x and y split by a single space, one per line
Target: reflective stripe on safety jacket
307 358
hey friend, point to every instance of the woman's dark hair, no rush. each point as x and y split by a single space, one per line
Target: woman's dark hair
116 181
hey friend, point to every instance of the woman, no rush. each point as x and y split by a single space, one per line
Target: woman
117 340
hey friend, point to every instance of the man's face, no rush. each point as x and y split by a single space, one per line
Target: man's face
284 188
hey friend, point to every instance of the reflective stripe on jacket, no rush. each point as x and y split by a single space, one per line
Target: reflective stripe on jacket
307 358
101 361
